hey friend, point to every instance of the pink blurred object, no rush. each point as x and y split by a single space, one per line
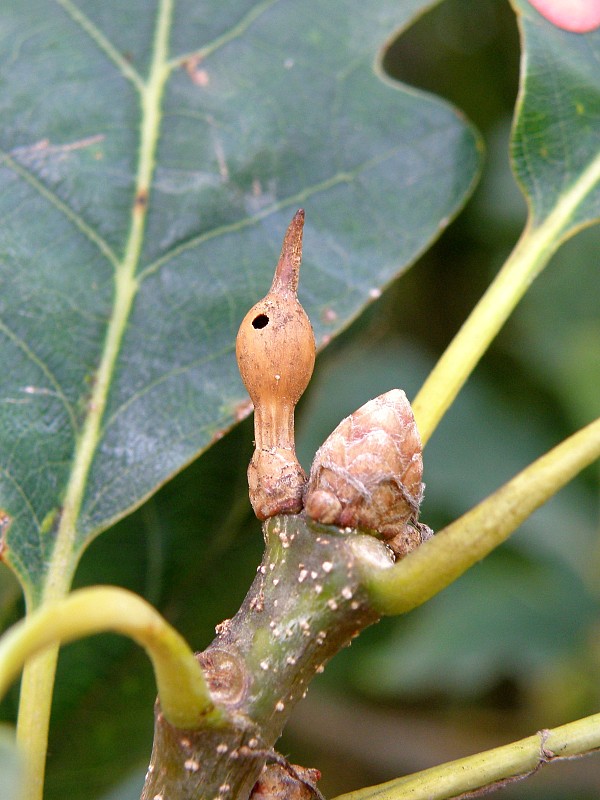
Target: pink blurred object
577 16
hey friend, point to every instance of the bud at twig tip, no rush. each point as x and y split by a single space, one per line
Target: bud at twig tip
367 474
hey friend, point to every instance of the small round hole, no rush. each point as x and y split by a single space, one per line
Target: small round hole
261 321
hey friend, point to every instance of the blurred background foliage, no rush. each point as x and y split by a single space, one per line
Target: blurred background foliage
514 645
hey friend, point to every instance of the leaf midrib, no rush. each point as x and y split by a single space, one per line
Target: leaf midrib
64 558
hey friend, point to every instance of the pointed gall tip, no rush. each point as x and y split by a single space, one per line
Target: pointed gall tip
287 272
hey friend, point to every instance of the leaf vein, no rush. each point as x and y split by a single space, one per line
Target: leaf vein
346 176
29 353
246 222
103 43
21 491
74 218
119 475
166 376
233 33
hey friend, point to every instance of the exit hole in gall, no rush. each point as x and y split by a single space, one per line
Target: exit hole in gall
261 321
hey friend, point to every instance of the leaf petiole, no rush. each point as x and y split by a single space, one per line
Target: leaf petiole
531 254
441 559
184 695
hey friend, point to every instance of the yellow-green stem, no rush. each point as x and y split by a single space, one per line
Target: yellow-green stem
184 695
531 254
464 352
34 716
440 560
492 767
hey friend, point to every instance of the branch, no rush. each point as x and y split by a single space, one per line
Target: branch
492 768
306 603
440 560
184 695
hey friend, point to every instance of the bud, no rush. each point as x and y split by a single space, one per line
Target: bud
368 474
289 782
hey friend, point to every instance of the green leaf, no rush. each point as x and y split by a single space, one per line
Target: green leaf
556 150
152 156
